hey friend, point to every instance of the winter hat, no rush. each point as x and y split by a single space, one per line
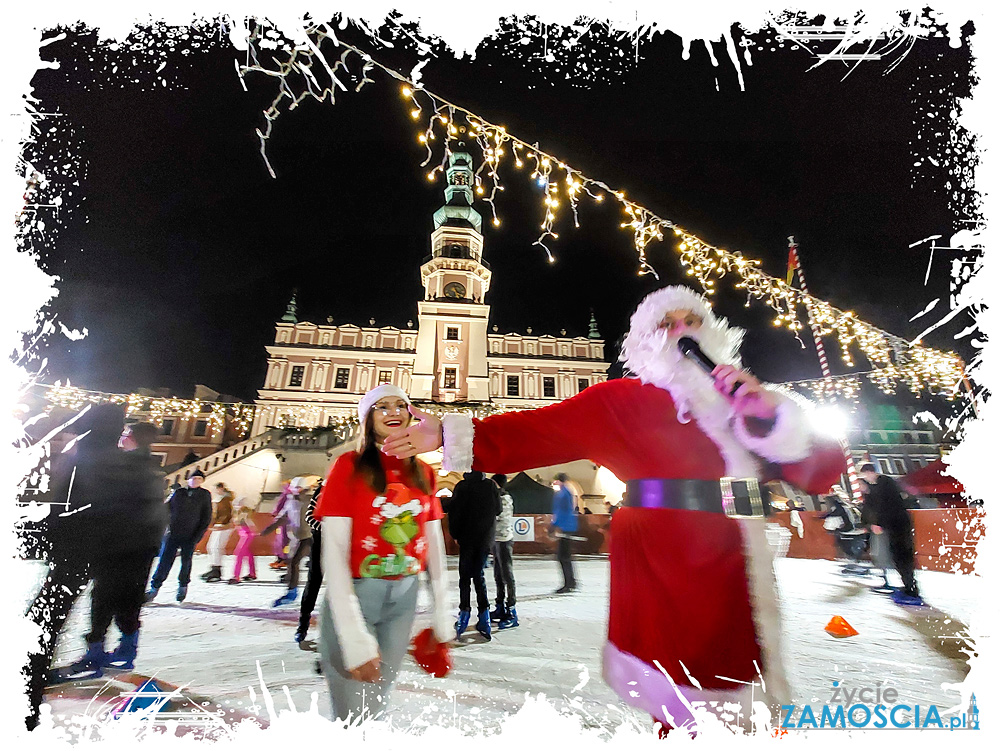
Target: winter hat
369 399
196 473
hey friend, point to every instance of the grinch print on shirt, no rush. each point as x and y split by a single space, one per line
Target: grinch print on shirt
398 512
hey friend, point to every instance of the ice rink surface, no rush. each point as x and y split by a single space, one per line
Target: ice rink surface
212 644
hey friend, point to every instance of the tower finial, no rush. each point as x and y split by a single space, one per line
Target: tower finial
291 310
594 333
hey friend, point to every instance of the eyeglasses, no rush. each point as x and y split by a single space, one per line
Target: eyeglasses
395 409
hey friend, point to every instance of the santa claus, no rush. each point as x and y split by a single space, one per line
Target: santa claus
694 619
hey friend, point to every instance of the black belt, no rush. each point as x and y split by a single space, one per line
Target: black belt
730 496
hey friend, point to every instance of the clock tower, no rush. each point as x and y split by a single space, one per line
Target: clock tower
450 363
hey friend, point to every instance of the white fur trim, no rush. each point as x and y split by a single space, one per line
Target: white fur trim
789 439
437 572
379 392
458 435
357 644
684 707
653 690
763 588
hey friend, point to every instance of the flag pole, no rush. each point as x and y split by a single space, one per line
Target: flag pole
795 265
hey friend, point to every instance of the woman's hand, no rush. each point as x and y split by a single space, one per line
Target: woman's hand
368 672
419 438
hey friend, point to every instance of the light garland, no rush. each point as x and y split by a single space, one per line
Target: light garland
896 361
155 408
918 367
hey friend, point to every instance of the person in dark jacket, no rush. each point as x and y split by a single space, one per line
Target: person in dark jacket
315 577
190 515
472 512
885 512
68 536
133 527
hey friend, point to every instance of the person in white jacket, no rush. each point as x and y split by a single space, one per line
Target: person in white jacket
381 526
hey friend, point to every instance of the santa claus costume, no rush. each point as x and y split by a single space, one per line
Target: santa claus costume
693 612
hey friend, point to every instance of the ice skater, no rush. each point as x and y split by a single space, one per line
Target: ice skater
222 527
381 527
243 522
503 560
563 527
292 518
472 513
190 515
315 576
885 513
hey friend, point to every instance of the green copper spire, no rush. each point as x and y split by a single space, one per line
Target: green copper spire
594 333
458 193
290 311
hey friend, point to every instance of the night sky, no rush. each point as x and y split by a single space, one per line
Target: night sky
178 251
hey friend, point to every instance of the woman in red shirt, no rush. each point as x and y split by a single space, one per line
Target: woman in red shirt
381 526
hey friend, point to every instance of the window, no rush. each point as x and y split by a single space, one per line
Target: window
549 387
581 384
167 428
201 427
451 378
459 178
513 386
298 371
898 467
384 376
451 333
343 374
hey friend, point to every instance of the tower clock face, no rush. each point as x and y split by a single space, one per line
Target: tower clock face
455 290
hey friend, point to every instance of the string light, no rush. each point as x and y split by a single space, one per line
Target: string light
155 409
895 361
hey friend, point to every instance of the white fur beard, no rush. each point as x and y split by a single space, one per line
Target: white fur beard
659 362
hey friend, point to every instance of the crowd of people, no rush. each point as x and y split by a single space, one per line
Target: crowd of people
693 609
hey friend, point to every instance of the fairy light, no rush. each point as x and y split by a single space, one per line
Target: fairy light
916 367
155 409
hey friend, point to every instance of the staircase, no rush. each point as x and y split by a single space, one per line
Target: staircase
276 455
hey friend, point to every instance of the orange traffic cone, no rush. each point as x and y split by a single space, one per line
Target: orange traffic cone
840 628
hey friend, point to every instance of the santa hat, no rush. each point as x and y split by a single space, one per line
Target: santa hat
678 297
379 392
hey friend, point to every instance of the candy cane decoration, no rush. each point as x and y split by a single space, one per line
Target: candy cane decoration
793 263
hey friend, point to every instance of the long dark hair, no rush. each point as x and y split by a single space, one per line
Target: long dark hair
369 463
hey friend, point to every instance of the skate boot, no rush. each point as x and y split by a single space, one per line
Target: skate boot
123 656
182 592
483 625
234 580
151 594
89 666
286 599
279 564
510 621
249 578
900 597
214 574
462 623
499 614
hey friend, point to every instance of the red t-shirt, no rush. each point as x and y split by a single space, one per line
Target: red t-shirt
388 537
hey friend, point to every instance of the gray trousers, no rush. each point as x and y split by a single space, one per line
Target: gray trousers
389 607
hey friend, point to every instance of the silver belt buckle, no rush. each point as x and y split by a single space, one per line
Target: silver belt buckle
729 498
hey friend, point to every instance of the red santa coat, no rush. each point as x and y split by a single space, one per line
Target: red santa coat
693 613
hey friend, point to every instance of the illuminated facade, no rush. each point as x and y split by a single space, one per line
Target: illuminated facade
316 373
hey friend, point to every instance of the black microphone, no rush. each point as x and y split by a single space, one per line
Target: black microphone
690 349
